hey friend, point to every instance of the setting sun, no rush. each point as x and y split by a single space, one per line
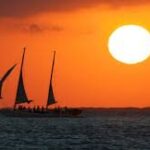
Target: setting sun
130 44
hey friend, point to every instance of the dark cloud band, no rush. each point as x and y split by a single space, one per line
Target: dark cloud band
23 8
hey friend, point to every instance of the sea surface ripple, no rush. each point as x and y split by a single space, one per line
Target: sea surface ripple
87 133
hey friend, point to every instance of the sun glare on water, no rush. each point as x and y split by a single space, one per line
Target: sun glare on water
130 44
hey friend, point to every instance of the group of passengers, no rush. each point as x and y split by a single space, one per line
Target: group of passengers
38 109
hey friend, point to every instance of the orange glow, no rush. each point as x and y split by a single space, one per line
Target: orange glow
85 73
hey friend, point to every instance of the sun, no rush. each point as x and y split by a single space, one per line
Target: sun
130 44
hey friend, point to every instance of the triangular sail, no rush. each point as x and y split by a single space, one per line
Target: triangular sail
51 98
21 96
4 78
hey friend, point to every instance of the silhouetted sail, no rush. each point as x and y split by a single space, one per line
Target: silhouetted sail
51 97
21 96
4 78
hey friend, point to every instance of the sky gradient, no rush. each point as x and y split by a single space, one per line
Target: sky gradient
85 73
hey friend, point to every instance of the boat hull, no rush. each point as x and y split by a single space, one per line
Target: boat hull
46 114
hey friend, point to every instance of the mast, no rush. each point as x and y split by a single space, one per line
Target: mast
24 50
21 96
52 67
51 98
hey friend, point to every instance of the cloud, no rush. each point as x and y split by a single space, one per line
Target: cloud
34 28
24 8
56 28
37 28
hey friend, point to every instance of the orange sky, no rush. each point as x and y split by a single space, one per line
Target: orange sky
85 73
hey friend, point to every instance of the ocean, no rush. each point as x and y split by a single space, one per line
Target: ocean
93 131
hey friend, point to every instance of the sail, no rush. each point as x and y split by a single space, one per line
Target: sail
4 78
21 96
51 98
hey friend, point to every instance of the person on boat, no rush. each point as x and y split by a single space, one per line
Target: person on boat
34 109
29 109
23 108
20 108
42 109
38 109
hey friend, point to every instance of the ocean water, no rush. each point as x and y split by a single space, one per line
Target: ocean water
93 132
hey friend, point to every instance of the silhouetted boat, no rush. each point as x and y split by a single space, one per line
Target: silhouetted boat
21 98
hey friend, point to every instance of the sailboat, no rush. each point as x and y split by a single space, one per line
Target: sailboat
21 98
